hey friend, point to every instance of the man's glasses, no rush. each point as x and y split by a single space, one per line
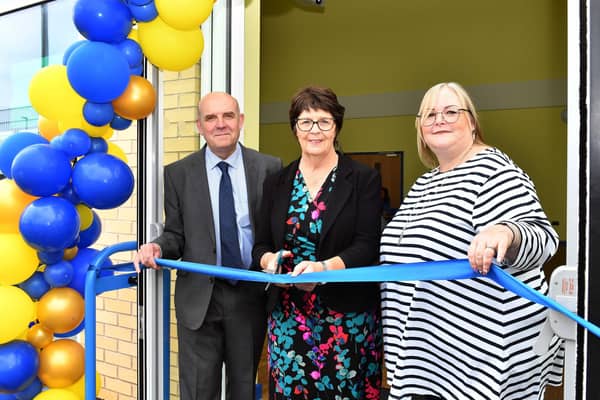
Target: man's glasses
449 114
306 124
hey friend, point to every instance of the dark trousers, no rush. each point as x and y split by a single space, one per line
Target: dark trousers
233 333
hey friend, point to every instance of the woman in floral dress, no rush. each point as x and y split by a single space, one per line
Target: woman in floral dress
322 212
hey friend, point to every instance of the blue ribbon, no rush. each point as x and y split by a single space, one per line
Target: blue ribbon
427 271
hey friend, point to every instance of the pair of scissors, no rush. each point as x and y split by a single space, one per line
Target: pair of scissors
277 268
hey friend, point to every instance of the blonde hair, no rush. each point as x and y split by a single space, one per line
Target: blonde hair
427 156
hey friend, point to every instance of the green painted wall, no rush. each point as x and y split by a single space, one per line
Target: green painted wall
362 47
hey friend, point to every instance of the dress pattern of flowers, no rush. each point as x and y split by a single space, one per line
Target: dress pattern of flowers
315 352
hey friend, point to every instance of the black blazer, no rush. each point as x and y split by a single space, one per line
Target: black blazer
351 230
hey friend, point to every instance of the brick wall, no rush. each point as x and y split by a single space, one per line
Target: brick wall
116 310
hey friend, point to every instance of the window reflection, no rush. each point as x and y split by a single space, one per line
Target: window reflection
31 39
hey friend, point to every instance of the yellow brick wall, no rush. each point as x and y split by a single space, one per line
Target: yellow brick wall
116 339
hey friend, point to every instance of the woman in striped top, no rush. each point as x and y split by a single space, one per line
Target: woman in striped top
466 339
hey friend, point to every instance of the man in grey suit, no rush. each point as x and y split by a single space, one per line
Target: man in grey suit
218 321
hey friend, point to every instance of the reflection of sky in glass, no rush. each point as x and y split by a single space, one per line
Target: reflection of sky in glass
21 51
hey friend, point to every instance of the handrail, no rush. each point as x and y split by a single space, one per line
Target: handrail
92 284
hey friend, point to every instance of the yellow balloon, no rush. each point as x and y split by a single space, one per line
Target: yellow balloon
133 34
48 127
51 94
184 14
79 387
18 261
108 134
12 203
62 363
61 309
86 217
168 48
56 394
116 151
39 336
18 312
95 131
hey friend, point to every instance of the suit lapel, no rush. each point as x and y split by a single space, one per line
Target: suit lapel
252 173
200 192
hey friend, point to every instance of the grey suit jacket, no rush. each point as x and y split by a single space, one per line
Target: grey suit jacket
189 232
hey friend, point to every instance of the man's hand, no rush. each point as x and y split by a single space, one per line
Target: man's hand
146 256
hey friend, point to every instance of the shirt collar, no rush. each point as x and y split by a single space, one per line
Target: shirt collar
233 160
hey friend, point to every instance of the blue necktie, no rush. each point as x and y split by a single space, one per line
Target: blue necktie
230 245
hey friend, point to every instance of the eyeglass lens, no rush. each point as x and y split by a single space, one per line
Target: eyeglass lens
305 124
449 114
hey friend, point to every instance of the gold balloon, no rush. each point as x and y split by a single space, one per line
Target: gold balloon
61 309
62 363
39 336
138 99
12 203
70 253
48 127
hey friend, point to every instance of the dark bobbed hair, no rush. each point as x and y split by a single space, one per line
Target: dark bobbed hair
317 98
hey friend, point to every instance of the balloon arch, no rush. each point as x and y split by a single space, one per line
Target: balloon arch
56 177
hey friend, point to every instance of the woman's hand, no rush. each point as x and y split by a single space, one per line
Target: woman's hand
306 267
271 264
492 241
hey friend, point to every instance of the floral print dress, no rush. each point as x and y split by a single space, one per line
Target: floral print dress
317 353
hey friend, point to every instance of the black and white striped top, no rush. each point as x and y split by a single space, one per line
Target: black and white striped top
467 339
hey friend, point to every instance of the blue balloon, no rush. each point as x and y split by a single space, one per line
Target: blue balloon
41 170
98 71
102 181
73 142
137 70
132 52
139 2
30 391
143 13
49 224
7 396
99 145
59 274
12 145
98 114
50 257
36 286
19 363
70 50
69 194
119 123
102 20
81 264
88 237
